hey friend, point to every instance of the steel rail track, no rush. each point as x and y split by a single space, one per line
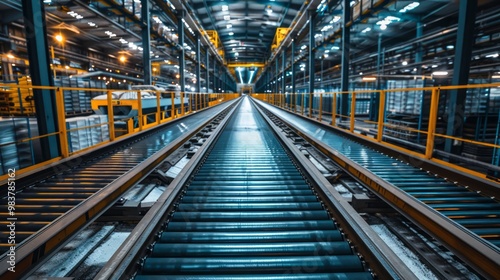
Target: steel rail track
51 208
466 222
243 209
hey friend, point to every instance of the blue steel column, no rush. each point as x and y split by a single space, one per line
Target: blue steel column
182 64
45 103
419 54
293 69
463 53
198 63
207 66
283 72
311 53
375 97
216 86
276 76
146 41
346 37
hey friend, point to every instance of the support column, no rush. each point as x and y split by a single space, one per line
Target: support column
216 86
198 64
375 97
420 52
311 54
292 66
40 73
463 53
283 72
346 37
207 66
276 76
146 41
182 65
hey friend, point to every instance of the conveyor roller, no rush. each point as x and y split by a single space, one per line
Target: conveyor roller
248 213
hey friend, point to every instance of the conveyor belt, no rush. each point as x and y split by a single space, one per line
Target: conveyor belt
477 213
42 202
248 213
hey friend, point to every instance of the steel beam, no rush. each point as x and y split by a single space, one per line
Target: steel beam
182 63
38 55
311 54
146 41
346 37
463 53
198 64
292 68
207 69
283 72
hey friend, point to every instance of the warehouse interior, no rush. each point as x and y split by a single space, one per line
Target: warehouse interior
417 81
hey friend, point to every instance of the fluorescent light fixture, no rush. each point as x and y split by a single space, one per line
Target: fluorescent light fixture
225 8
303 47
409 7
229 26
369 79
383 27
335 19
450 47
231 33
252 72
227 17
366 30
405 63
335 48
440 73
434 66
493 55
495 77
325 55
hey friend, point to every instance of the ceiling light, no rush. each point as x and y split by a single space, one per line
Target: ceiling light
335 48
493 55
450 47
91 24
440 73
383 27
231 33
227 17
366 30
335 19
405 63
225 8
434 66
229 26
10 56
369 79
303 47
352 3
123 58
495 77
59 37
409 7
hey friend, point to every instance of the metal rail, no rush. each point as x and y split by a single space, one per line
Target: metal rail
82 192
461 219
256 218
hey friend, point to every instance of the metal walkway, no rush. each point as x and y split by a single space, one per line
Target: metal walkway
248 213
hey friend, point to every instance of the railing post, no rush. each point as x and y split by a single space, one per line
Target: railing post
303 101
139 109
381 113
158 108
320 106
182 104
61 118
311 95
111 117
353 112
429 147
334 109
172 96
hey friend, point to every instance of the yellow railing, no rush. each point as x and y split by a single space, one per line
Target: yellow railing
418 129
108 117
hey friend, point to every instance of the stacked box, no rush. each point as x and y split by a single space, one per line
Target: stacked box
8 148
79 137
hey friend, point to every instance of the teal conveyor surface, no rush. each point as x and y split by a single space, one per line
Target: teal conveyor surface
477 213
248 213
